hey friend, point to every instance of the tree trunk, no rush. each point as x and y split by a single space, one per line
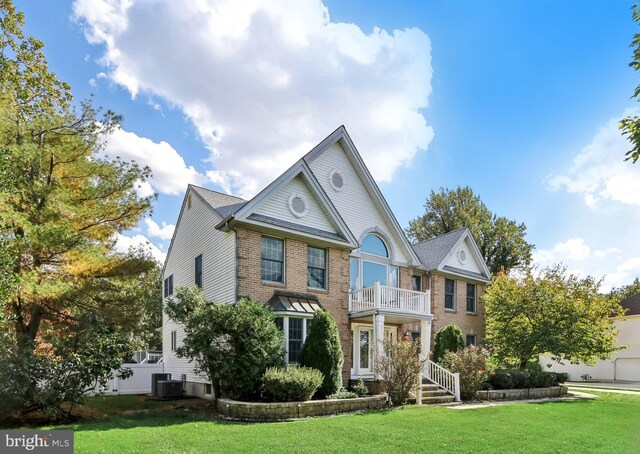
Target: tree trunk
523 363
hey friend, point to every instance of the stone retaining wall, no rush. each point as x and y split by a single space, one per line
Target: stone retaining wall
292 410
515 394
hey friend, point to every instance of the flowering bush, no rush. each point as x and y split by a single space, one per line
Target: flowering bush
399 367
473 364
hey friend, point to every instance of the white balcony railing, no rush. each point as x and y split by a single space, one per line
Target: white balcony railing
390 299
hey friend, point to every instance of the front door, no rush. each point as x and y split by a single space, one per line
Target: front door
365 350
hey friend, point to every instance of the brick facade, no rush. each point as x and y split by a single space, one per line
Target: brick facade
335 299
468 323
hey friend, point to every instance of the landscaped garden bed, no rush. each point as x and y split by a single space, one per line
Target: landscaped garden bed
276 411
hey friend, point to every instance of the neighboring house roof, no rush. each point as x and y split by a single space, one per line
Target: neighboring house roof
632 305
224 204
434 252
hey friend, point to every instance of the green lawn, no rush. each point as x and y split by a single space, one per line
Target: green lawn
608 424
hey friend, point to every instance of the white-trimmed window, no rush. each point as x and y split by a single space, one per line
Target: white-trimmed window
450 294
168 286
198 271
373 265
272 259
472 340
295 333
416 283
174 340
471 298
316 268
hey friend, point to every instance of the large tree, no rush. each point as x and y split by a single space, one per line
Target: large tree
62 207
630 126
549 311
501 241
61 204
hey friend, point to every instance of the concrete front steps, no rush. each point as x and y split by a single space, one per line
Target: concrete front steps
432 394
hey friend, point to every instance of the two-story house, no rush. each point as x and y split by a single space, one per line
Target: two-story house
322 236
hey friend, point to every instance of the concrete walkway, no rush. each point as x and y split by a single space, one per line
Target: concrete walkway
604 384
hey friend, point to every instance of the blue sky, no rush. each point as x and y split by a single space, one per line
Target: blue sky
518 100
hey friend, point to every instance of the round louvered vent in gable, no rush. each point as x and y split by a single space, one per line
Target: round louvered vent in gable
298 205
337 180
462 256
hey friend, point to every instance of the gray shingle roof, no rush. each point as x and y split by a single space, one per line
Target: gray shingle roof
432 252
302 303
632 305
224 204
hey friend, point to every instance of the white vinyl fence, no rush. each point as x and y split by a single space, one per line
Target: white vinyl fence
138 383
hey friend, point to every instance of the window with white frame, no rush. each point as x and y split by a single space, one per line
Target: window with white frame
295 333
471 298
174 340
198 271
373 265
272 259
450 294
416 283
471 340
316 268
168 286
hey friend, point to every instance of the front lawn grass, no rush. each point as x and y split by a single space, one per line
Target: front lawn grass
608 424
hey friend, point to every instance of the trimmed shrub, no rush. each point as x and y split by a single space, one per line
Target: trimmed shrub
448 339
289 384
231 344
521 379
473 365
322 351
343 394
399 367
360 388
501 379
560 377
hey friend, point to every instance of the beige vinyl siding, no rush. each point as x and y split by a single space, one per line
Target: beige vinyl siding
195 234
470 265
277 206
354 202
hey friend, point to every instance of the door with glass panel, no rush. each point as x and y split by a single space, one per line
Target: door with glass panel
365 349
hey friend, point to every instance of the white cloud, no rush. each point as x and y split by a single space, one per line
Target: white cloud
262 82
170 173
599 171
624 273
574 249
124 243
165 232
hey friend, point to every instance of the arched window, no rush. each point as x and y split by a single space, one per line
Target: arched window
373 244
373 265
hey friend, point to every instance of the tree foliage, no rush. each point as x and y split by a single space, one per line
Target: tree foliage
549 312
630 126
626 291
448 339
62 207
230 344
322 350
501 241
63 368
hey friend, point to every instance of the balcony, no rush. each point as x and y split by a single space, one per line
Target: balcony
389 300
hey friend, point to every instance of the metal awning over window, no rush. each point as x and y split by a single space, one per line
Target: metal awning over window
292 303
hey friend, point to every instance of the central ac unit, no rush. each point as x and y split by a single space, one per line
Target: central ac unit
170 388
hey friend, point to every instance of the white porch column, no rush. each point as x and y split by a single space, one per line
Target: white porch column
425 338
378 336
